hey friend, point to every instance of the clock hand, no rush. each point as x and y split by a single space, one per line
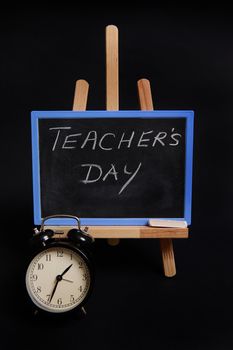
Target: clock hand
66 270
64 279
58 279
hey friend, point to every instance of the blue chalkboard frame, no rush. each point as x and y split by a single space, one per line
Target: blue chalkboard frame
36 115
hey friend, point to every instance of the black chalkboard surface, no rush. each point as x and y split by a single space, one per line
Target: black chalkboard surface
112 167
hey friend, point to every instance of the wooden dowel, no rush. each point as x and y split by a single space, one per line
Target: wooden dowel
146 104
112 79
145 97
168 257
80 95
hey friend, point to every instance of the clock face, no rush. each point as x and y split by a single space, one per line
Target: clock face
57 279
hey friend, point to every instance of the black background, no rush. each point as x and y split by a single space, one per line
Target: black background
156 191
187 54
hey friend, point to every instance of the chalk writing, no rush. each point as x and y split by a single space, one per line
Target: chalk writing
65 140
110 140
96 175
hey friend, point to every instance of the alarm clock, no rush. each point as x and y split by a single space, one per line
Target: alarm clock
60 275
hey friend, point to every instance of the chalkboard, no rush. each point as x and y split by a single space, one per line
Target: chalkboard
112 168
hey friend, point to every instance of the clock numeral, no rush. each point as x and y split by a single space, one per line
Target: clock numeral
80 264
72 298
34 277
48 257
84 277
60 253
71 256
81 288
38 289
48 297
40 266
59 301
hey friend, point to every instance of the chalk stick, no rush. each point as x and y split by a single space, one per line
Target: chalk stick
167 223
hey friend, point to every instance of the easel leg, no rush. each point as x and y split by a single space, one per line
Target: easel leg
113 241
80 95
169 264
146 104
112 81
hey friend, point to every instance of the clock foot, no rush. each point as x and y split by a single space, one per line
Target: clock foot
83 310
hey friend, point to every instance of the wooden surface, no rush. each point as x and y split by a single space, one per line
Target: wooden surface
146 103
80 95
112 80
116 232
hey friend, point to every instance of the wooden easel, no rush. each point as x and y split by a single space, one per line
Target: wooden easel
115 233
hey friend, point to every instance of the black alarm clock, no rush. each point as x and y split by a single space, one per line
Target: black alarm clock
60 275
